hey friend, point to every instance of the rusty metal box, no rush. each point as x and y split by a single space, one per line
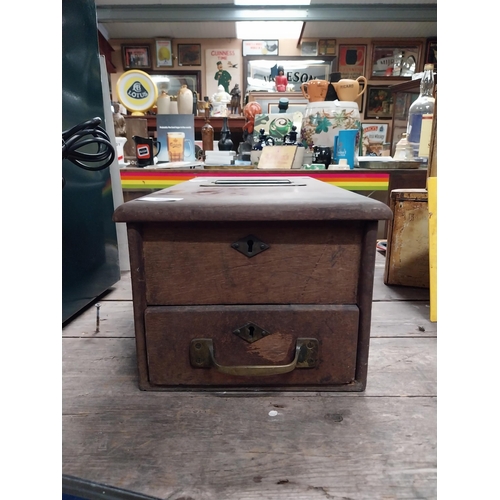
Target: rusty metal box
407 255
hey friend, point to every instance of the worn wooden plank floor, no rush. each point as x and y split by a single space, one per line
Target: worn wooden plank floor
380 444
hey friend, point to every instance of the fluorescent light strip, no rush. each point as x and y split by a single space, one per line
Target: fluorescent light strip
252 30
272 2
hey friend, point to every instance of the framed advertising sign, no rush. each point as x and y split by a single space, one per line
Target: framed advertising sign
395 60
352 61
260 47
259 73
163 50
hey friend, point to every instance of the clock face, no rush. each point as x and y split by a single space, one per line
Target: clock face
136 91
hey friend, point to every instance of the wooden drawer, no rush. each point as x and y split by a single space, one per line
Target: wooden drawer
176 339
306 263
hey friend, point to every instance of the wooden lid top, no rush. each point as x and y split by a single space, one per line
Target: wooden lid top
252 199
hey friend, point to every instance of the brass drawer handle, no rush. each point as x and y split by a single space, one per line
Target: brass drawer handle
201 355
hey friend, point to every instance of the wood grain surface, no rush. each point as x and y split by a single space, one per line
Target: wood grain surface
379 444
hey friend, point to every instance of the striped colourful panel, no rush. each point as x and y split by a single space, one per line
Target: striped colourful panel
154 179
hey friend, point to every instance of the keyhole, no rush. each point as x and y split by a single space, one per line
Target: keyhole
250 331
250 246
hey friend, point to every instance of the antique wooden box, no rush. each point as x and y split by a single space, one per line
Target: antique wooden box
244 283
407 256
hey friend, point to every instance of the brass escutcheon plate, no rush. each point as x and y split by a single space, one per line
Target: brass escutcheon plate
251 332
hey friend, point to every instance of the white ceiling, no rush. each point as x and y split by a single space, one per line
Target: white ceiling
215 18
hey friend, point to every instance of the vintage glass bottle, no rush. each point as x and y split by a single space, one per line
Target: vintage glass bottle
420 116
225 143
207 132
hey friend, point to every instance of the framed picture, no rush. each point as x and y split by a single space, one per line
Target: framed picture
136 57
259 72
327 47
163 51
378 102
395 60
431 52
352 61
309 48
189 54
260 47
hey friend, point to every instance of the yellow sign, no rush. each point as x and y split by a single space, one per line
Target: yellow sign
136 91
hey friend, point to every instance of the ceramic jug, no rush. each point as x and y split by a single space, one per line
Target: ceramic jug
163 103
144 150
348 90
185 101
315 90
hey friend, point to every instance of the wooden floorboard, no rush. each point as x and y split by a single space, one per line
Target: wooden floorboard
378 444
247 448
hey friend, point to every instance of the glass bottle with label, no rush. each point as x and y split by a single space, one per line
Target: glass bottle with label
420 116
207 131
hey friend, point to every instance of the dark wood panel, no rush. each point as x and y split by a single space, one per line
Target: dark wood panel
307 262
170 330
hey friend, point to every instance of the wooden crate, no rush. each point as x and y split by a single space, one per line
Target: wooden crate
407 256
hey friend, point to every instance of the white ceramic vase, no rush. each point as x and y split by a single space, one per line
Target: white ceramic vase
185 101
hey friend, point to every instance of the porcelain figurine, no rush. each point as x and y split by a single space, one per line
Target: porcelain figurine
281 81
220 100
235 105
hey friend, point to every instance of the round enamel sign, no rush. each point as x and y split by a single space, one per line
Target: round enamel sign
136 91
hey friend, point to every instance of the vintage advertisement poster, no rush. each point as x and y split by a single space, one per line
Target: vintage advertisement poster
175 134
374 136
223 67
352 59
260 47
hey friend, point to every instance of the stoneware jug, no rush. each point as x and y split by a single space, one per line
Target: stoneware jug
185 101
348 90
315 90
163 103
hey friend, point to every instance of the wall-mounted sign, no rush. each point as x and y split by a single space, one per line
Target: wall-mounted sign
352 59
260 47
136 91
222 67
260 73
